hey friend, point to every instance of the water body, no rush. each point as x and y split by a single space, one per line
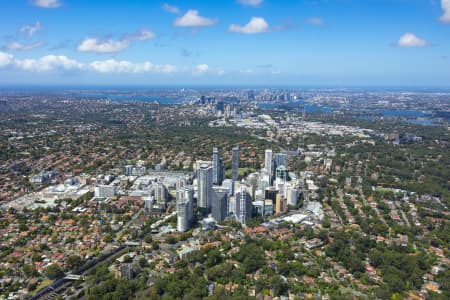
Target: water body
128 97
401 113
427 122
296 105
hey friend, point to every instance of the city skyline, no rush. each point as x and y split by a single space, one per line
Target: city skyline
244 42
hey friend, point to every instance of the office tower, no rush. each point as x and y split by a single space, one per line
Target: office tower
189 196
148 202
217 167
280 205
184 209
292 196
280 159
220 201
128 170
281 175
253 182
271 193
243 205
161 194
182 216
268 164
204 187
220 106
234 166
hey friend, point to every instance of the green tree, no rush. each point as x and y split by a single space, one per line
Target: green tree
53 271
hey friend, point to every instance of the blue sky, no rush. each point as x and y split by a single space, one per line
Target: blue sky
227 42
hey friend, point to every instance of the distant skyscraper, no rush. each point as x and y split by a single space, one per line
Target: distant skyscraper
220 106
217 167
234 166
204 187
220 201
268 164
128 170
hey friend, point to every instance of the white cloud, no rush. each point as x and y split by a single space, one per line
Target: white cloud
202 68
192 19
31 29
111 46
48 63
47 3
61 63
255 25
106 46
251 2
411 40
141 35
5 59
114 66
314 21
23 47
446 8
170 8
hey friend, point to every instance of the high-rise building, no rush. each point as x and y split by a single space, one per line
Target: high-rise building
184 208
271 193
161 194
220 106
281 175
148 202
182 216
217 167
243 205
204 187
189 197
268 164
280 205
292 196
220 202
234 166
280 159
253 182
128 170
